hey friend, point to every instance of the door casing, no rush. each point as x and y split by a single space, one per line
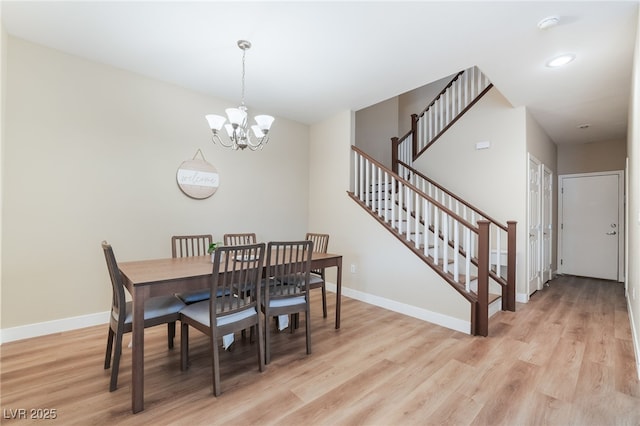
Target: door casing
620 224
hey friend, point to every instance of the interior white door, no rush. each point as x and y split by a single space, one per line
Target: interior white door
590 225
547 224
534 225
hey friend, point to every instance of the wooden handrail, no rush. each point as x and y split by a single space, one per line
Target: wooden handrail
414 188
454 196
451 123
453 80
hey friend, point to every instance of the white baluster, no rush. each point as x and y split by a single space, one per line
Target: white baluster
467 259
400 205
456 254
426 208
409 200
366 183
446 108
386 197
416 213
498 250
436 233
361 172
393 201
445 241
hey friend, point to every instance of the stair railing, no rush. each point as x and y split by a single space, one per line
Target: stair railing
502 237
462 92
452 245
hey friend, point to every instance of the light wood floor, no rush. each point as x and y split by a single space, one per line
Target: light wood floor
565 358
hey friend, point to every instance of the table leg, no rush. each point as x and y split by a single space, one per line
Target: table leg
338 292
137 369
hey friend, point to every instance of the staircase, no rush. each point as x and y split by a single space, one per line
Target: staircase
471 251
463 91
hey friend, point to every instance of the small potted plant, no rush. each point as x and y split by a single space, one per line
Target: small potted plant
212 249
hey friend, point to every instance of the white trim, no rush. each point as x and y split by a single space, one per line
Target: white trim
412 311
522 298
621 219
495 307
50 327
537 231
634 336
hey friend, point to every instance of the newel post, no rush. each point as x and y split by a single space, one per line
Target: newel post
511 266
395 145
414 136
482 310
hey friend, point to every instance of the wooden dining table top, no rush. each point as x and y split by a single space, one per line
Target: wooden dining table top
142 272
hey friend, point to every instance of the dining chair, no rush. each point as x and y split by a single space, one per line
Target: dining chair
286 291
236 270
239 239
157 310
186 246
317 280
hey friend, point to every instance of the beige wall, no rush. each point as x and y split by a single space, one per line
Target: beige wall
415 101
374 128
592 157
633 227
91 153
377 124
494 179
384 267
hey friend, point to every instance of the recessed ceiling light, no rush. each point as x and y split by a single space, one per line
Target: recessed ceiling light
561 60
548 22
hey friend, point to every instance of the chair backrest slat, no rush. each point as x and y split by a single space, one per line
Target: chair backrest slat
288 263
239 239
190 245
237 271
320 245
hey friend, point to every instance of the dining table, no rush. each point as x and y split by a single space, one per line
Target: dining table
160 277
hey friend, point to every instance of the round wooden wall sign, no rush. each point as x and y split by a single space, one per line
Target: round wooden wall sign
197 179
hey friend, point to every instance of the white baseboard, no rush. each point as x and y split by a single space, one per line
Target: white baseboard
50 327
495 307
634 336
412 311
522 298
73 323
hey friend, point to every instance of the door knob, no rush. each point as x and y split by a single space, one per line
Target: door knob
611 233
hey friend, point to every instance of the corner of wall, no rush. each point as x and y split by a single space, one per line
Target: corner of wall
3 85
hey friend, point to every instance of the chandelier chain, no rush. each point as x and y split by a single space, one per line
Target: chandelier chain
244 52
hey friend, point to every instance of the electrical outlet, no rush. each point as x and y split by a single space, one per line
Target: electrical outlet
354 269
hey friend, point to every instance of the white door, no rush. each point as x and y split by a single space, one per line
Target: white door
591 225
547 224
534 227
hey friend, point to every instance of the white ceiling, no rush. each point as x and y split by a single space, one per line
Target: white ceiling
312 59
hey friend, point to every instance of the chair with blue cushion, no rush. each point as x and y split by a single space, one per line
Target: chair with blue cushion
286 291
236 270
157 310
186 246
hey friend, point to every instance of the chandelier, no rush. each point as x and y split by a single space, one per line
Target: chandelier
237 130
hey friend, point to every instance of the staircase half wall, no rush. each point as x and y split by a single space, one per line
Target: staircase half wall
385 273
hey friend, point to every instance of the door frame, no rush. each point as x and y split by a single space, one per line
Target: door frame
547 228
538 234
621 215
